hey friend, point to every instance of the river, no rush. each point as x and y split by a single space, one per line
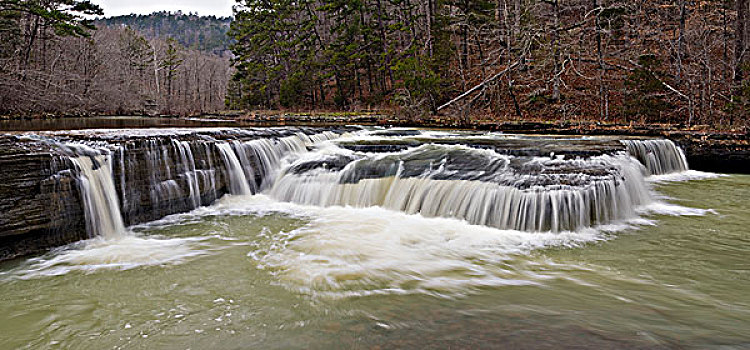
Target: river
282 269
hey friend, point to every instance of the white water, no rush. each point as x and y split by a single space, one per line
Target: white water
270 152
362 251
525 202
267 155
102 209
345 251
689 175
118 253
112 246
658 156
238 183
369 227
607 189
188 171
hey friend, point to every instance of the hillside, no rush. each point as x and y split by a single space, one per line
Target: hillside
163 63
204 33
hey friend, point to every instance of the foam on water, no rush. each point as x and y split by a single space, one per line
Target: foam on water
688 175
120 253
664 208
346 251
378 224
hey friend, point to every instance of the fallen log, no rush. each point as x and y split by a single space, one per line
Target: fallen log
475 88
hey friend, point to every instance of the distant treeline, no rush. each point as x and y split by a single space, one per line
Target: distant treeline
675 61
53 61
204 33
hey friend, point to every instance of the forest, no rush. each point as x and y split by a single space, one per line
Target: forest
647 61
675 61
55 61
204 33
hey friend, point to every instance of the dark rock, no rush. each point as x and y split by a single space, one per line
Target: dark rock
40 202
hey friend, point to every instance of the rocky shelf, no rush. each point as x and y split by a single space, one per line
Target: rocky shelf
41 202
158 172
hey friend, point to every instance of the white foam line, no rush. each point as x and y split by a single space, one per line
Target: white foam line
690 175
120 253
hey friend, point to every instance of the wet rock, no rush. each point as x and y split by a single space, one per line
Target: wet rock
723 153
521 146
40 201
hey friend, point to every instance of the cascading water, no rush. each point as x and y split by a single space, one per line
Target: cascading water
178 173
479 186
238 182
269 153
437 223
658 156
263 156
465 179
189 171
103 217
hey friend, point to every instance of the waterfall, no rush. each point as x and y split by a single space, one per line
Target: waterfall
74 184
187 161
481 186
507 198
209 176
248 166
168 172
268 154
244 160
102 209
658 156
238 183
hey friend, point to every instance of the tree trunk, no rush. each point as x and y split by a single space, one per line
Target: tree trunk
556 52
681 40
517 18
429 27
603 106
381 28
739 37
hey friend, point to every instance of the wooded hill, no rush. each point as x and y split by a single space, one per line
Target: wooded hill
53 61
674 61
204 33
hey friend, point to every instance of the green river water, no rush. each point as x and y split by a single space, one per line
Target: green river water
250 272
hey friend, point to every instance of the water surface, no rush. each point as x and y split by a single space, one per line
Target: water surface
251 272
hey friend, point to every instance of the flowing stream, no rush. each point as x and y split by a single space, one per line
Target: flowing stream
103 217
394 239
